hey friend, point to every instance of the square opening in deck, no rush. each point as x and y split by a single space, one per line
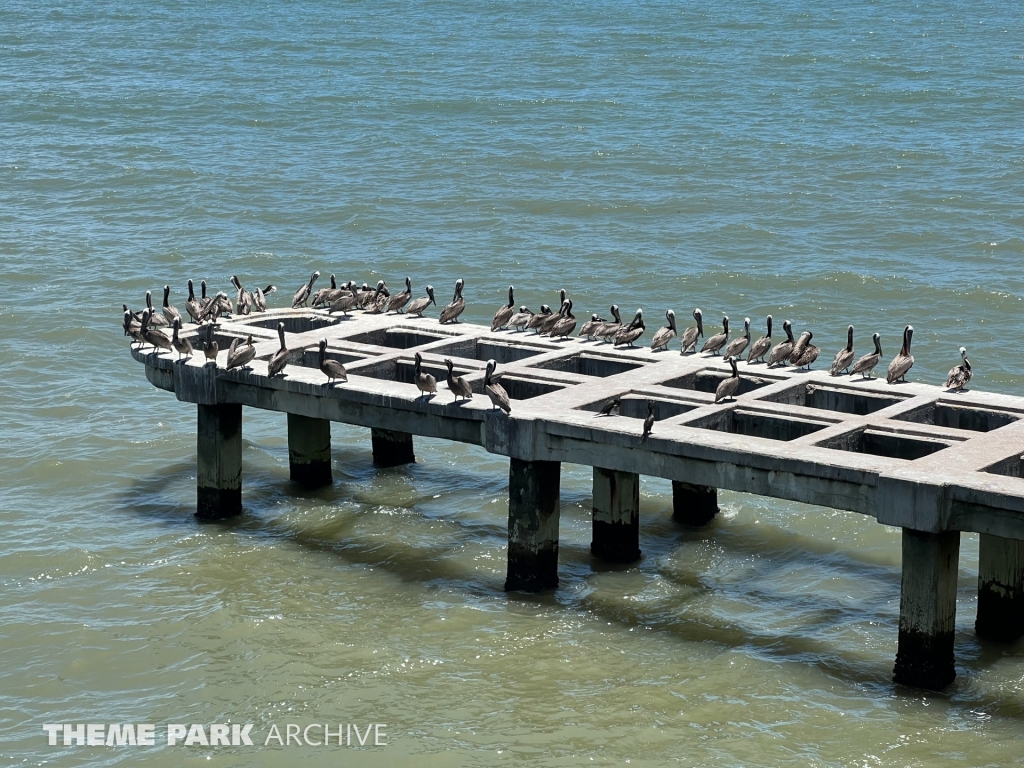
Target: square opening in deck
888 444
957 416
292 323
402 371
520 388
743 422
398 337
588 364
829 397
1010 467
502 352
311 357
708 379
634 406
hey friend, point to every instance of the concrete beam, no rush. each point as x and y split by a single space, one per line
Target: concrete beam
616 516
390 449
219 462
309 451
533 514
1000 588
924 658
694 505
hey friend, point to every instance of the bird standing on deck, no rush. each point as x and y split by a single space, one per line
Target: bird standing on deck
399 300
457 385
565 323
959 376
782 351
537 319
689 341
424 382
379 299
504 313
761 346
633 331
322 296
240 358
182 346
170 313
280 358
808 352
735 347
608 329
155 319
716 342
156 338
591 325
259 298
648 422
496 392
664 335
798 348
419 305
450 314
243 299
193 306
904 361
344 299
844 357
332 369
865 365
728 387
611 408
520 318
302 295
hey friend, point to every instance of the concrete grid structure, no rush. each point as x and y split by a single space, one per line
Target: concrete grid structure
909 455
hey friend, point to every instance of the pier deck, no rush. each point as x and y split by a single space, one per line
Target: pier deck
910 455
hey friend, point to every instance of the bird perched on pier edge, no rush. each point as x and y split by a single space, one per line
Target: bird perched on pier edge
496 392
280 358
960 375
782 350
193 306
565 323
648 422
259 298
609 328
904 361
728 387
591 325
735 347
865 365
798 348
450 314
399 300
716 342
155 320
520 318
332 369
243 299
761 346
631 332
538 318
425 383
153 336
457 385
689 341
664 335
182 346
420 305
170 313
240 358
844 357
808 353
321 296
504 313
302 295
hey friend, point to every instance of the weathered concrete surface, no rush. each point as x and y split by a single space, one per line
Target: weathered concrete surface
392 449
309 451
1000 588
616 515
219 462
533 515
927 609
694 505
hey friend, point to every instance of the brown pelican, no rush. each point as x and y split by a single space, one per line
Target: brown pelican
243 299
633 331
182 346
798 348
131 328
219 305
735 347
332 369
194 307
158 339
728 387
280 358
399 300
238 358
591 325
611 408
504 313
716 342
607 330
210 349
170 313
302 295
904 361
649 421
259 298
342 301
321 296
425 383
689 341
536 320
458 385
808 353
419 305
365 294
375 305
204 300
666 334
136 316
867 364
566 322
781 351
155 320
494 390
520 318
450 314
761 346
960 375
548 322
844 357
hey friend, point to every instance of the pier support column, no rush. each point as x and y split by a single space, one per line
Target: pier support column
1000 588
694 505
219 462
532 525
309 450
927 609
391 448
616 516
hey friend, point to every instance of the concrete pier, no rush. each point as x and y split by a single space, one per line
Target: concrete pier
924 658
693 505
219 461
309 451
391 449
616 536
1000 588
533 515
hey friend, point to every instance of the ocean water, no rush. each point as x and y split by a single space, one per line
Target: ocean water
830 165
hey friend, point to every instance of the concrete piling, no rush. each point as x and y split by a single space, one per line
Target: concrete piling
533 514
309 451
1000 588
219 464
924 658
391 449
616 516
694 505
